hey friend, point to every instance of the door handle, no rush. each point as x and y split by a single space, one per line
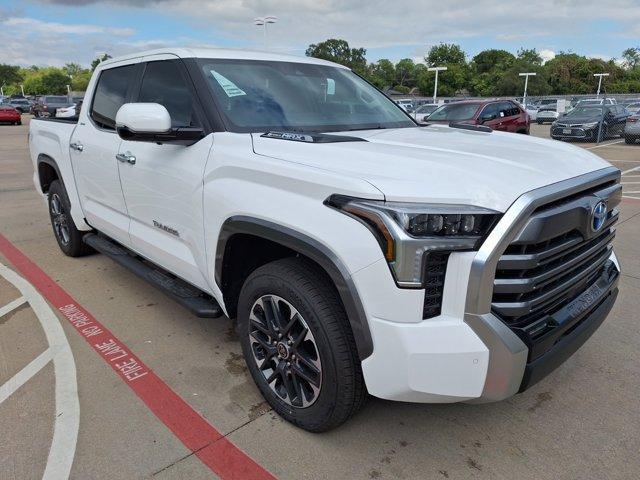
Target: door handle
126 158
77 146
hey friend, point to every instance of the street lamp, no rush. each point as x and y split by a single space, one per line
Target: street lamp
526 76
600 75
22 89
68 90
435 87
263 22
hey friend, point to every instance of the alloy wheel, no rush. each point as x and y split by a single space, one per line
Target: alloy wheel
285 351
59 219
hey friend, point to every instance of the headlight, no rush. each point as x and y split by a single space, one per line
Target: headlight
590 124
408 231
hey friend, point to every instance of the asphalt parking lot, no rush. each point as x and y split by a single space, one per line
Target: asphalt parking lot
581 422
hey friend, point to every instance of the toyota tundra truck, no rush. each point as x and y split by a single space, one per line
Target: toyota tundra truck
356 251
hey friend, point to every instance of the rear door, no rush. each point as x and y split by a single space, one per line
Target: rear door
93 148
492 112
163 188
509 116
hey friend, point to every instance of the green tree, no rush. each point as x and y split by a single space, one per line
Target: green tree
631 58
80 81
98 60
405 73
382 74
489 61
455 80
72 69
9 74
338 51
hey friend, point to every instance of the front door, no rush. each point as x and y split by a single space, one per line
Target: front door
163 184
93 148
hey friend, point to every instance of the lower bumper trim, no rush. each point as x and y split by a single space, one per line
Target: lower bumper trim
567 346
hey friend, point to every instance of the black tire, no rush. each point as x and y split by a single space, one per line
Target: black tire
301 284
630 140
69 238
19 122
540 122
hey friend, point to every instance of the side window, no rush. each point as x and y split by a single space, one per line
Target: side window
505 109
490 110
111 94
163 83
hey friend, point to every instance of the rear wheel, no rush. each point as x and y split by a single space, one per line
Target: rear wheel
69 238
298 345
629 139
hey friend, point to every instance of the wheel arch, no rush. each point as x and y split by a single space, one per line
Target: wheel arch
289 242
48 171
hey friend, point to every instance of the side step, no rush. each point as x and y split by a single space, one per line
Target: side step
190 297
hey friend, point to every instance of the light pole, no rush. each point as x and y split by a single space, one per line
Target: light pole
526 76
263 22
435 87
68 90
22 89
600 75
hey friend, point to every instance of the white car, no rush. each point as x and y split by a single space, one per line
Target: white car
357 252
66 112
421 114
547 114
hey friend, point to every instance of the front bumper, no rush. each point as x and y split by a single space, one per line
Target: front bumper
574 132
468 353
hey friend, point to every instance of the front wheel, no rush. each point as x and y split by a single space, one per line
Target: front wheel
69 238
299 346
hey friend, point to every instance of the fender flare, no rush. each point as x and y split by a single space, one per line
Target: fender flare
46 159
312 249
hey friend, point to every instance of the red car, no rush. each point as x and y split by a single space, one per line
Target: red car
10 115
503 115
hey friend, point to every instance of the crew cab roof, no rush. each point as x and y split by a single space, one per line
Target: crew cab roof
227 53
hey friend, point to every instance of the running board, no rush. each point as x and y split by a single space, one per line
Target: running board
190 297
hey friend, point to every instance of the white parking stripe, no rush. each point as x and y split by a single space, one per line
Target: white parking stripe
67 408
605 145
24 375
630 170
9 307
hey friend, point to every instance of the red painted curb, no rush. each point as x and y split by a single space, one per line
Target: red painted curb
209 445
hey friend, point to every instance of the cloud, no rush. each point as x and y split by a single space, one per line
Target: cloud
403 29
546 54
39 26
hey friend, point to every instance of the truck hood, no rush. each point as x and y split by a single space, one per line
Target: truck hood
442 164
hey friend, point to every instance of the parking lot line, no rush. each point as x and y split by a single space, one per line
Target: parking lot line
604 144
11 306
213 449
67 405
630 170
23 376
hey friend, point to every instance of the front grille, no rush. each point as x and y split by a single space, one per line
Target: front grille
553 260
435 269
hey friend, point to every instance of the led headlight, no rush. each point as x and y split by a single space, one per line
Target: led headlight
590 124
407 231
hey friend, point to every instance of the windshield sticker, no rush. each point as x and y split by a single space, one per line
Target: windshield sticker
230 88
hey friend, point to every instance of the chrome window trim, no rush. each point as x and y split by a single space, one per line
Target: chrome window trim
508 354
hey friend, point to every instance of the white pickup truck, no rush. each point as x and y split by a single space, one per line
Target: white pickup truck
356 250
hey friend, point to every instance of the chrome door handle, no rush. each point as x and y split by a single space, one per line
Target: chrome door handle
126 158
77 146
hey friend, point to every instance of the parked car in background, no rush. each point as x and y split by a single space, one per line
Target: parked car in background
21 104
503 115
49 104
9 114
587 102
547 114
632 128
532 111
633 108
69 112
406 105
583 122
421 114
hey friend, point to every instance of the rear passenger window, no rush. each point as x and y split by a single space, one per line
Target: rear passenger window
508 109
111 94
164 84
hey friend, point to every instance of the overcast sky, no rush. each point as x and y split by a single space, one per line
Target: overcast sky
54 32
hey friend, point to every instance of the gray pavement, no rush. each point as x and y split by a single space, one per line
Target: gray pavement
582 422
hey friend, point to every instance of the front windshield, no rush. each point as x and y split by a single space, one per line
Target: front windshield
259 96
427 109
584 112
56 99
455 111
